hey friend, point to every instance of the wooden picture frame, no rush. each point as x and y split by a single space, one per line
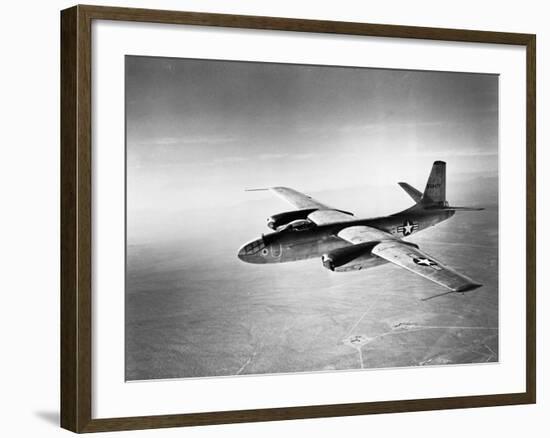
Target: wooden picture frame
76 218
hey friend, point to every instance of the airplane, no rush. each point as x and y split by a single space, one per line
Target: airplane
346 243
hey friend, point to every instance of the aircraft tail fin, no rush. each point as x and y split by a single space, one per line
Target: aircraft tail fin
434 193
411 191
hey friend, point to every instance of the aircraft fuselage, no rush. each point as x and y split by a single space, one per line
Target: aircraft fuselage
290 245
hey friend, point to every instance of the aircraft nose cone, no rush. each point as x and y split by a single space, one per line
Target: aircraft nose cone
242 253
251 252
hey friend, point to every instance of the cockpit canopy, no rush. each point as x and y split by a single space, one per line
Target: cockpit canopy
298 225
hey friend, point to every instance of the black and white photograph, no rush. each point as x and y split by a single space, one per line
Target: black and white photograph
292 218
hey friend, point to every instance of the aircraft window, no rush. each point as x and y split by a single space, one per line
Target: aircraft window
299 225
254 247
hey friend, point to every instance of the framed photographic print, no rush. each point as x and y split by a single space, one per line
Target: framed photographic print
271 218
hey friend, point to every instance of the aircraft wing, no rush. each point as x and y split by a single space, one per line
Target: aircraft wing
363 234
417 261
408 256
297 199
323 215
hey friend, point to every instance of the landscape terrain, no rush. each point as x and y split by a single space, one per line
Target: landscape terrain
193 309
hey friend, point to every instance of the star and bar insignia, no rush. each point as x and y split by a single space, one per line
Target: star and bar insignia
407 228
423 261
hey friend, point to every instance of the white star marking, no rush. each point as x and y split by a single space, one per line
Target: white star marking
408 228
424 262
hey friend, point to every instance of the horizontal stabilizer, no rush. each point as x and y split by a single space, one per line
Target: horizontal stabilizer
465 208
411 191
454 208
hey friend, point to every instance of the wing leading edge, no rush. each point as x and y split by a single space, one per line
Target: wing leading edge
294 197
418 262
408 256
321 216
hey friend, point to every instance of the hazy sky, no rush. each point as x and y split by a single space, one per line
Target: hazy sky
200 131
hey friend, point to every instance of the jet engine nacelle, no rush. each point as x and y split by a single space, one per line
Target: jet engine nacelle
281 219
351 257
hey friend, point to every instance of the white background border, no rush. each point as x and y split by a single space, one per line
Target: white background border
112 397
30 174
